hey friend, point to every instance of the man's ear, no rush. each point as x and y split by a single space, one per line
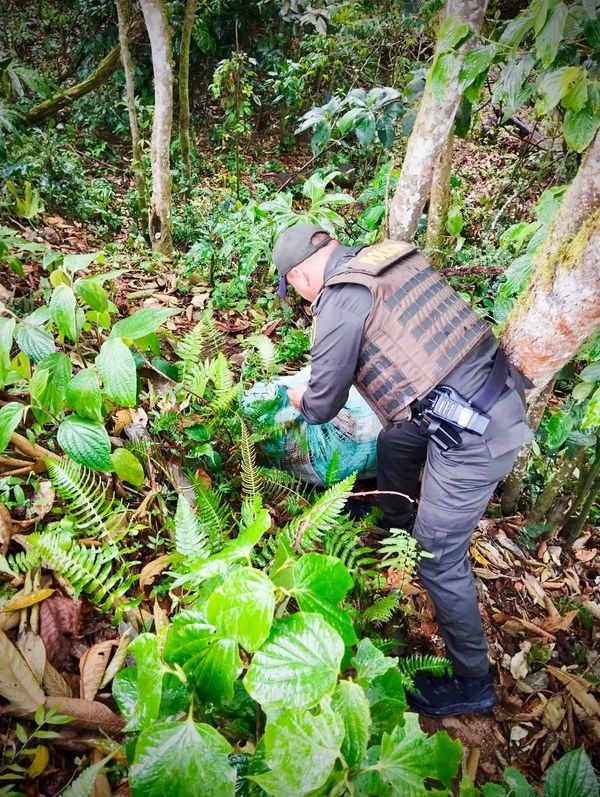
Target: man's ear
302 281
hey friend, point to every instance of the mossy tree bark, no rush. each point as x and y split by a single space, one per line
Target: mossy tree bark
160 221
184 84
100 75
430 133
439 202
123 15
561 307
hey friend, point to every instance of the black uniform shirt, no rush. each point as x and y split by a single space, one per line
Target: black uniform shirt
340 320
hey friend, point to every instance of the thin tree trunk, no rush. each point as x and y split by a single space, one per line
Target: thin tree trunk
554 485
513 484
576 529
439 202
184 84
561 308
136 144
430 133
103 71
160 222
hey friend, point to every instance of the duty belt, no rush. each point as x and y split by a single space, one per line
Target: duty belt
445 413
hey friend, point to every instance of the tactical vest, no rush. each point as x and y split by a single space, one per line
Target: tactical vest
418 329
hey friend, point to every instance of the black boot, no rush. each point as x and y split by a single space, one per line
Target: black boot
452 694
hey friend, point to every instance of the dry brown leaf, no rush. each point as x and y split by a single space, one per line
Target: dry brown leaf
558 623
554 712
161 618
54 683
117 661
202 476
586 555
518 663
6 529
43 500
534 588
121 418
8 621
33 650
59 621
18 684
88 713
19 602
153 569
92 667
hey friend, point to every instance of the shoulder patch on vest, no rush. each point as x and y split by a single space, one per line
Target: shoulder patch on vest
374 260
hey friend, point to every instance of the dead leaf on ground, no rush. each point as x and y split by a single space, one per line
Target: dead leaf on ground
31 646
87 713
121 419
39 763
554 712
6 529
43 500
586 555
153 569
118 660
59 622
558 623
92 667
19 602
18 684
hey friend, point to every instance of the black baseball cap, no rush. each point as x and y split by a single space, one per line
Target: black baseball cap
293 246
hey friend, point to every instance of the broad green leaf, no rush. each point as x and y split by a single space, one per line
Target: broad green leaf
63 306
508 86
83 394
210 662
514 33
407 757
591 373
321 582
476 61
591 30
7 328
93 294
368 780
554 85
517 783
388 701
592 415
365 130
86 442
548 39
126 692
75 263
242 608
369 662
150 670
386 131
350 702
10 418
454 31
447 756
297 665
116 366
34 341
141 323
454 221
182 759
539 9
582 390
571 776
49 382
320 136
443 69
301 750
580 128
558 429
127 467
576 97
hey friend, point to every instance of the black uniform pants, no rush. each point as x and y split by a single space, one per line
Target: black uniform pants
456 488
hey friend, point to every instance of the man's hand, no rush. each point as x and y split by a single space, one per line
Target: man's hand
295 394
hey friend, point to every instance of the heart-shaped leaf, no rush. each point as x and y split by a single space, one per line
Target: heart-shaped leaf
86 442
116 366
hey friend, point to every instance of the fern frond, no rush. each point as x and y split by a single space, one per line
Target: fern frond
223 403
84 495
410 666
265 352
382 610
346 546
307 530
251 479
88 570
223 375
190 539
204 340
401 551
333 468
214 515
20 562
278 486
195 377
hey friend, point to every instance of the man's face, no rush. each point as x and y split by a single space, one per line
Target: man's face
307 277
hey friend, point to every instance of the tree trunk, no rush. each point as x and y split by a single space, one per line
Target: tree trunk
160 220
430 134
554 485
65 98
439 202
136 144
184 84
513 484
561 308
